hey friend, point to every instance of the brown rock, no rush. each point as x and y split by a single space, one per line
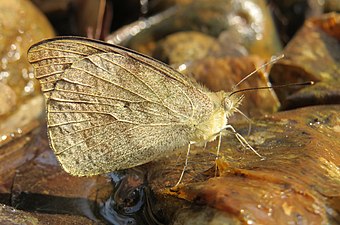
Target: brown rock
12 216
222 73
313 54
40 185
21 119
185 47
32 180
233 22
298 182
14 154
21 25
7 99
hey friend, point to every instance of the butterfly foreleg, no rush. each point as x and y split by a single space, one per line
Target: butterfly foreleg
242 140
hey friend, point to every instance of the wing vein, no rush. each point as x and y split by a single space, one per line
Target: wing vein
56 49
51 57
191 103
120 66
110 82
98 96
67 123
109 139
91 127
97 112
162 102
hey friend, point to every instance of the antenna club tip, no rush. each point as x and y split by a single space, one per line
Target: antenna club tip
312 83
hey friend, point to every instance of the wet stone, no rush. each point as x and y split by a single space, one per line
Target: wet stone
222 73
7 99
184 47
16 150
43 186
12 216
202 216
298 182
22 24
18 121
35 182
248 24
312 55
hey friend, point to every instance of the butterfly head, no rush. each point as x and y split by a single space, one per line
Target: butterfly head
231 103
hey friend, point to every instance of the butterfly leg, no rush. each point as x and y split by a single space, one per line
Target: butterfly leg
243 141
218 151
185 165
247 118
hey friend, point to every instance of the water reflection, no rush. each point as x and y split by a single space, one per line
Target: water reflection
129 203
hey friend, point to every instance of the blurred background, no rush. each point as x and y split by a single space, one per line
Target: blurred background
217 42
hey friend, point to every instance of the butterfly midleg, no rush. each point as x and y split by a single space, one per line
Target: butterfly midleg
185 165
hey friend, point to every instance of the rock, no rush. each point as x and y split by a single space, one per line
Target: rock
32 180
222 73
8 99
20 119
12 216
312 55
15 150
39 185
21 25
183 47
298 182
232 22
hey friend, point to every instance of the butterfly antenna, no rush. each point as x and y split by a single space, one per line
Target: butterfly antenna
273 87
272 61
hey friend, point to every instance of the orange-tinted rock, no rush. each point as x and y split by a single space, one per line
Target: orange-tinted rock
81 18
222 73
32 180
8 99
183 47
313 54
21 119
21 25
16 150
298 182
40 185
233 22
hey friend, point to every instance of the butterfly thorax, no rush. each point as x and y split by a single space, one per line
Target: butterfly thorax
224 107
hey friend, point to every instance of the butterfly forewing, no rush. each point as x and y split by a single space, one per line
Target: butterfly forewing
51 57
110 108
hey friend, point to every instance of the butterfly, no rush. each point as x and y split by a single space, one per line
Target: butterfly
110 108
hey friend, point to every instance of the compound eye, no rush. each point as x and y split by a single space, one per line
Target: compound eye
228 104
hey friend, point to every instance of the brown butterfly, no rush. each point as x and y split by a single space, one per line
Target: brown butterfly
110 108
